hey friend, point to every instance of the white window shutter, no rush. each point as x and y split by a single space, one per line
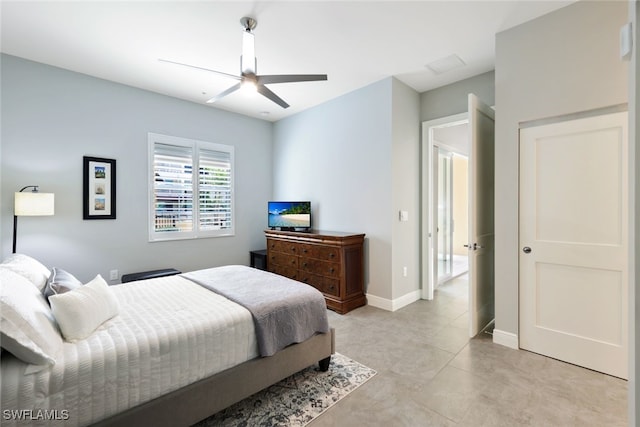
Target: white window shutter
174 211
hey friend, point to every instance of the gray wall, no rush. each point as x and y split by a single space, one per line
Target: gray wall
561 63
52 117
338 156
355 158
634 295
452 99
405 192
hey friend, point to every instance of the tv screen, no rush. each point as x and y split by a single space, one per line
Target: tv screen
289 215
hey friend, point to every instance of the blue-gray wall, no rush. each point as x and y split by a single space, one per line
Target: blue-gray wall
356 159
338 155
51 118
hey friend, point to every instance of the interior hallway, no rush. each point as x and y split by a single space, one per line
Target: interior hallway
431 374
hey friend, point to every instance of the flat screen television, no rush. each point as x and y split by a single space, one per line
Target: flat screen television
289 215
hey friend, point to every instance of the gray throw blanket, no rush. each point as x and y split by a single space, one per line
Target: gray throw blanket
284 311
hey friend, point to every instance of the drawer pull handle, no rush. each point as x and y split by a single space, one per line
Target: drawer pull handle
332 255
293 248
331 270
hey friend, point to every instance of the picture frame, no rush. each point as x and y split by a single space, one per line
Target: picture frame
98 188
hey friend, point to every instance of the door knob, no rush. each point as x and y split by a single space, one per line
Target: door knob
474 247
526 250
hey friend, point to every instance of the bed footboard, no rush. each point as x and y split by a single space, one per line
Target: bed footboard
190 404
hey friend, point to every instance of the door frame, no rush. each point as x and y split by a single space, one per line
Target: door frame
427 242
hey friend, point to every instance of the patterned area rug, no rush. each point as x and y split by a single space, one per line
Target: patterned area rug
296 400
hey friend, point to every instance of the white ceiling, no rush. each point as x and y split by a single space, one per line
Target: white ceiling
355 42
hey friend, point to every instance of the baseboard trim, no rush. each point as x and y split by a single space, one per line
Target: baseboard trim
383 303
395 304
506 339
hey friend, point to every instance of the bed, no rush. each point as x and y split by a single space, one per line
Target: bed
177 350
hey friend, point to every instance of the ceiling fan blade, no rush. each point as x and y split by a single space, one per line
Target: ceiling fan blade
202 68
263 90
290 78
248 58
221 95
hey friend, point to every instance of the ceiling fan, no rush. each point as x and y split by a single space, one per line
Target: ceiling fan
248 70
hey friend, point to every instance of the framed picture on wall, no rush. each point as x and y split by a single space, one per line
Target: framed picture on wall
99 188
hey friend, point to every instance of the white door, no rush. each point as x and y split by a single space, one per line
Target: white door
574 242
481 208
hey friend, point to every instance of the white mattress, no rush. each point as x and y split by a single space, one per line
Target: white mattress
170 332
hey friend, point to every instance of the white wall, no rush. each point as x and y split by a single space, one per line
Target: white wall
51 118
561 63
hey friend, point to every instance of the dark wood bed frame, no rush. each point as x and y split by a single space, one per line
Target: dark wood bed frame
197 401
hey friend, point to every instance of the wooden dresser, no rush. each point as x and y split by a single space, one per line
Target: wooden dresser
332 262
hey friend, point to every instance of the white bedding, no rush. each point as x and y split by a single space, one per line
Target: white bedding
170 332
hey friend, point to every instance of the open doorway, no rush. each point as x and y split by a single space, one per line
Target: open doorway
469 135
450 213
447 190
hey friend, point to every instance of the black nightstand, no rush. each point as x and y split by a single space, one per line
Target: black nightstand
258 259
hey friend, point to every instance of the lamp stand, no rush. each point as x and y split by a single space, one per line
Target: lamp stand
15 217
15 228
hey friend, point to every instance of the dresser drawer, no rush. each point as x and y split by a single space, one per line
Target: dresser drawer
331 262
290 272
323 284
325 253
282 259
322 268
284 247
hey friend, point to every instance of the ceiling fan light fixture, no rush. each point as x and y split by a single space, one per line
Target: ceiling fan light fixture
249 81
249 85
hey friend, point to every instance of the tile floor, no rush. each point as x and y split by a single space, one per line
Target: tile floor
431 374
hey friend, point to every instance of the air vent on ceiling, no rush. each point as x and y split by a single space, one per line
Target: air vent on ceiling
446 64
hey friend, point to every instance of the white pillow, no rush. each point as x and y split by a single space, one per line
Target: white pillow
81 311
27 326
27 267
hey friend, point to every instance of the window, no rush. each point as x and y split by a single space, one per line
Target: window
183 205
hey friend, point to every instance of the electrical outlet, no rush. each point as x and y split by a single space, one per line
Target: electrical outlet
113 275
404 271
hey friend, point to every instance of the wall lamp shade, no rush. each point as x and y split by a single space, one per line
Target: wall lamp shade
31 204
34 204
